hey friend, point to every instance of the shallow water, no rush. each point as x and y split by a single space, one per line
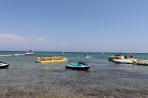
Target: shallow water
25 78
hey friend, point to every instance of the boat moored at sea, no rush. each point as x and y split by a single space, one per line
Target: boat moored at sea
51 59
30 52
116 56
87 56
3 64
125 61
78 66
142 62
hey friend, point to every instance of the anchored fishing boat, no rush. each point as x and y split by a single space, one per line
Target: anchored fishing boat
78 66
3 64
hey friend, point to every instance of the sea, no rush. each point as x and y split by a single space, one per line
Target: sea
26 79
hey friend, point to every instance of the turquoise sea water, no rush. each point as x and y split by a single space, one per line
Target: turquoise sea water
105 79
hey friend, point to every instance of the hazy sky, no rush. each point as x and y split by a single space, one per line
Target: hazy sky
74 25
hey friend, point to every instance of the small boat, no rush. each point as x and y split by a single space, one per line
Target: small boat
87 56
78 66
116 56
142 62
125 61
52 60
3 64
30 52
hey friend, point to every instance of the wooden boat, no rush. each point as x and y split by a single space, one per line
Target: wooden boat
3 64
52 61
142 62
78 66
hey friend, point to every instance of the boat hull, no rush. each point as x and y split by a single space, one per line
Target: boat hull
50 61
29 53
4 66
142 62
123 61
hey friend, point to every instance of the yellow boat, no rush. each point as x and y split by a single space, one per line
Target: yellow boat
125 61
51 61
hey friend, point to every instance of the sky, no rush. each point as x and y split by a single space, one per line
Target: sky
74 25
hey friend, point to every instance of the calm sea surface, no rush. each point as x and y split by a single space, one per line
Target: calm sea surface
26 79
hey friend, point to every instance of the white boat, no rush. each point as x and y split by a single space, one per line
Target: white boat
87 56
30 52
142 62
3 64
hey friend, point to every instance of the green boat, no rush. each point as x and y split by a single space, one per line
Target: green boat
110 58
116 56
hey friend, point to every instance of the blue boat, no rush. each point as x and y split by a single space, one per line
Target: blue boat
78 66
